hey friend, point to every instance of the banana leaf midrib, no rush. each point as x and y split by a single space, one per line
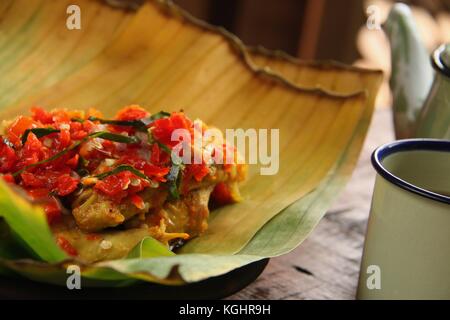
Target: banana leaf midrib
243 52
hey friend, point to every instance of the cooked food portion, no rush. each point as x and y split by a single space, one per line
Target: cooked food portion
94 211
105 184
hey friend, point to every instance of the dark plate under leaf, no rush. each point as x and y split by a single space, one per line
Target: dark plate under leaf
212 288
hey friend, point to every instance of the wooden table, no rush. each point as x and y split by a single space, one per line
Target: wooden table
326 265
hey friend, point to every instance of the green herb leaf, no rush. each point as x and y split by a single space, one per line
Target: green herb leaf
149 248
115 137
140 125
174 180
174 176
165 148
30 224
120 168
38 132
137 124
159 115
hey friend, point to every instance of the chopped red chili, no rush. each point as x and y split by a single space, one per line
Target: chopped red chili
221 194
52 162
137 201
93 236
64 244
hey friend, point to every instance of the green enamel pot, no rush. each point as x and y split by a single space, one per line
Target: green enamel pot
407 247
434 119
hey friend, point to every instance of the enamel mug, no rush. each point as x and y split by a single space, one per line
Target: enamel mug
434 118
407 246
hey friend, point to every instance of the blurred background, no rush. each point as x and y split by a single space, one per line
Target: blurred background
344 30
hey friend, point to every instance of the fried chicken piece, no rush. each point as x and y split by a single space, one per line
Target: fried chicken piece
93 211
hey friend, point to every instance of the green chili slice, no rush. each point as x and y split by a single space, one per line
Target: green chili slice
121 168
140 125
38 132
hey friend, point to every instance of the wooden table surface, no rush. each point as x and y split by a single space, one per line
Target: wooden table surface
326 265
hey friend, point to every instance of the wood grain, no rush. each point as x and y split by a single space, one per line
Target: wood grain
326 265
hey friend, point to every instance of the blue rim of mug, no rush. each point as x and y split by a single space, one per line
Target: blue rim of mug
409 145
438 63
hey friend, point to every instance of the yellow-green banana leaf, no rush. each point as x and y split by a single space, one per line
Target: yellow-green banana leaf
162 58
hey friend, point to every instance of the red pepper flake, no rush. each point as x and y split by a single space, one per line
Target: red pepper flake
32 180
73 162
133 112
32 151
133 160
221 194
41 115
115 185
137 201
154 158
64 139
88 125
198 171
8 157
64 244
8 178
53 211
163 128
66 185
158 157
75 126
50 206
60 115
78 135
93 236
155 172
18 127
38 193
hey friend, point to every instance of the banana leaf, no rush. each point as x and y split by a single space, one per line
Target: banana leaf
164 59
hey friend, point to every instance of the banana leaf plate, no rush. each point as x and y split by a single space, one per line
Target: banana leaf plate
162 58
211 288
